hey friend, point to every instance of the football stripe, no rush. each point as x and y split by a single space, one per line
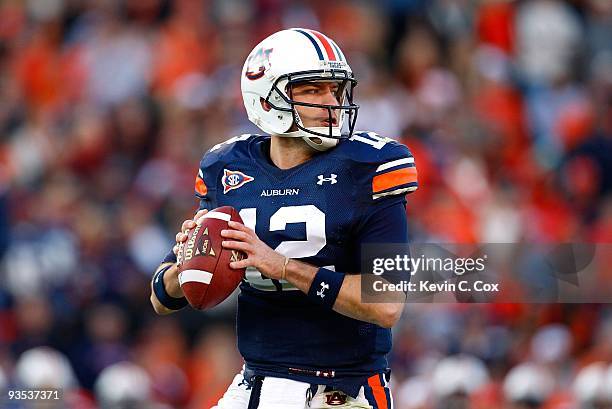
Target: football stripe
217 215
394 178
394 163
198 276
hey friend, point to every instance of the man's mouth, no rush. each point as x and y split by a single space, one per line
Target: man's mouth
326 122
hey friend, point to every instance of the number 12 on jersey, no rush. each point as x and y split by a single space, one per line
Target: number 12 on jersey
316 239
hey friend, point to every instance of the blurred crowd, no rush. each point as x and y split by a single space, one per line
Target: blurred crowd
106 107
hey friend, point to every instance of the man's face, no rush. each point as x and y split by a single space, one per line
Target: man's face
321 92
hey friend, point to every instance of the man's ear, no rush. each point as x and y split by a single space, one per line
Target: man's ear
265 105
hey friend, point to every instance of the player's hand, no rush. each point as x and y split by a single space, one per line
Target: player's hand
259 255
181 236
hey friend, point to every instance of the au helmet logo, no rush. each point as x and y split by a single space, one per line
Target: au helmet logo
233 179
257 63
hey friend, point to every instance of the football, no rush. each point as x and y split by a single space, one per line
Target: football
204 272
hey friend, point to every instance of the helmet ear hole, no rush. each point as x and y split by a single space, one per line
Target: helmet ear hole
265 105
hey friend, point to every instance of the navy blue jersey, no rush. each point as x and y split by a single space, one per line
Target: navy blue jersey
319 212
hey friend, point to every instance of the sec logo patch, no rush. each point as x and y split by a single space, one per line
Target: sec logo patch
234 179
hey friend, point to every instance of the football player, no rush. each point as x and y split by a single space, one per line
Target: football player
310 193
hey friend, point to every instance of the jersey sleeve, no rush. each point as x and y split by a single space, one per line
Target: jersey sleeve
385 168
384 224
211 166
205 194
382 233
394 175
204 181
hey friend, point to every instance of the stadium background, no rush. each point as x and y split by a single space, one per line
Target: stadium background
106 107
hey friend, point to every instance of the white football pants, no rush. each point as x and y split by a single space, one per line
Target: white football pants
279 393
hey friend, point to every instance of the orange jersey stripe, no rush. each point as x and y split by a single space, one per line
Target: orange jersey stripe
200 186
378 391
394 178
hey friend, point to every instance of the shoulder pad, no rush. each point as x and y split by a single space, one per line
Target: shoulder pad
369 147
214 159
384 165
227 147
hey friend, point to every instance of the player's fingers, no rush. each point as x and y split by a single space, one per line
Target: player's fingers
200 213
235 234
238 226
240 264
180 237
236 245
175 249
198 216
187 224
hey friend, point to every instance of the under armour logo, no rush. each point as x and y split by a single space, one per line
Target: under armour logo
331 179
324 286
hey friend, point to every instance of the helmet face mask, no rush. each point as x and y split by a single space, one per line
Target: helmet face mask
288 59
283 86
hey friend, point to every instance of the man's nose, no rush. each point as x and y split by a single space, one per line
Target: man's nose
330 97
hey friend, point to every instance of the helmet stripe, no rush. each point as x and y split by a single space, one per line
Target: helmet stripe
338 51
314 42
326 45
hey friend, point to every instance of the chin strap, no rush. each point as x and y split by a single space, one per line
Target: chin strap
319 143
294 134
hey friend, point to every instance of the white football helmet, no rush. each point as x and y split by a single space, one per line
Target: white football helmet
44 367
594 384
528 382
122 384
458 374
294 56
